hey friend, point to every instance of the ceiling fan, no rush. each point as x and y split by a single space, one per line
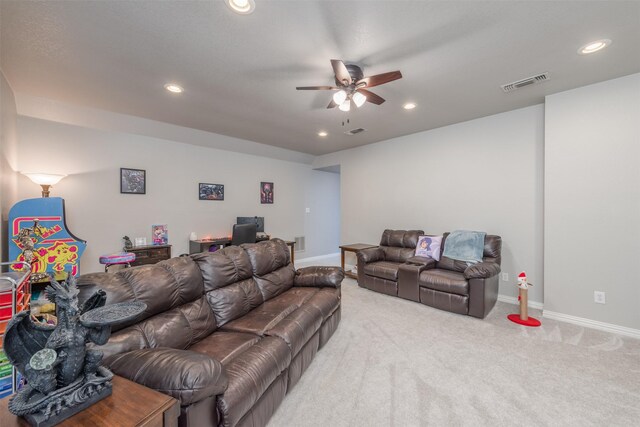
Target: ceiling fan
352 86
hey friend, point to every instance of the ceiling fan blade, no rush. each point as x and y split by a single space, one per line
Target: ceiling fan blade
316 88
380 79
372 97
332 105
341 71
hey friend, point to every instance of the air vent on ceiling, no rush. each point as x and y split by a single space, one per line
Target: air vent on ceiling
354 131
509 87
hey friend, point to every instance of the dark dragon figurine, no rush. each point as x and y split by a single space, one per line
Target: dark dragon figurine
63 376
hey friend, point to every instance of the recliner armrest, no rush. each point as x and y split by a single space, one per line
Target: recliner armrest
482 270
185 375
422 261
320 277
370 255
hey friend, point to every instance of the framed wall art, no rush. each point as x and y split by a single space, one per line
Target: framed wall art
266 192
210 191
133 181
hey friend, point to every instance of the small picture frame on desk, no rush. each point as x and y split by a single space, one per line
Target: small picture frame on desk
133 181
210 191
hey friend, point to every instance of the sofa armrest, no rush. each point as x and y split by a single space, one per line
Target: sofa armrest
370 255
422 261
185 375
482 270
320 277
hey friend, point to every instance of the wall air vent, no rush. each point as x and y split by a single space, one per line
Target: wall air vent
510 87
355 131
299 247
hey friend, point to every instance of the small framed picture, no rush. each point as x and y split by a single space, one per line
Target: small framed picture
159 234
266 192
210 191
133 181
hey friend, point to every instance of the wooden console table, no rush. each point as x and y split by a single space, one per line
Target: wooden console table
130 405
354 247
150 254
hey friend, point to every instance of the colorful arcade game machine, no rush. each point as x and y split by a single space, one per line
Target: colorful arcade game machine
38 235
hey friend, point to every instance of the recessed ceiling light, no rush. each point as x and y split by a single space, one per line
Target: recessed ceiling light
322 133
409 106
594 46
173 88
243 7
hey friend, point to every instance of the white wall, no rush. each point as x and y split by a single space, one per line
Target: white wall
592 201
98 213
485 174
8 158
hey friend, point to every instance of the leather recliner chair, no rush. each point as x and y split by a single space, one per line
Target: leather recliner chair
448 284
378 267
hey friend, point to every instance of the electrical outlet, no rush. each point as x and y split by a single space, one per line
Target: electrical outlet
599 297
505 277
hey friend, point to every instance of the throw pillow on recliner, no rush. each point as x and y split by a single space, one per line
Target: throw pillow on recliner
429 246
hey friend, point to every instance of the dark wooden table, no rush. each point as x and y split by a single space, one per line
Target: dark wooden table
150 254
354 247
197 246
130 405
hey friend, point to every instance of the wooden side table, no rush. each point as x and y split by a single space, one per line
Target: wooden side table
354 247
130 405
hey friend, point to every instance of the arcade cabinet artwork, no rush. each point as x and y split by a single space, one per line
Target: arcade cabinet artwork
523 318
38 236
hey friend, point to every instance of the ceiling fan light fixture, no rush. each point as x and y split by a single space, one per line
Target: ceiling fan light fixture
359 99
339 97
345 106
243 7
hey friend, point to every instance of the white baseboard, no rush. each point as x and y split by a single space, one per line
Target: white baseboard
514 300
593 324
318 258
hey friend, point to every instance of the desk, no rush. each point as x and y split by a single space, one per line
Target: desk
197 246
354 247
129 405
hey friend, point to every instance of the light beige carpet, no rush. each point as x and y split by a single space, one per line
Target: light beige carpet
393 362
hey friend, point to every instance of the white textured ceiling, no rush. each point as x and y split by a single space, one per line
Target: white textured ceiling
240 72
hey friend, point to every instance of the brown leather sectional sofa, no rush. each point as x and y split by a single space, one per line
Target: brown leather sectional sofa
227 333
448 284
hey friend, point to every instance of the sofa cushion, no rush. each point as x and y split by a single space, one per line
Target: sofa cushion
298 327
400 238
162 286
276 282
225 346
383 269
327 300
250 374
444 281
267 315
224 267
233 301
267 256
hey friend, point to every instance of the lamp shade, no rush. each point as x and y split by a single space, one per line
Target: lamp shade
345 106
44 178
359 99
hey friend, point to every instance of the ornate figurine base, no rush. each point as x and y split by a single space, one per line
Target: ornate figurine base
531 321
39 420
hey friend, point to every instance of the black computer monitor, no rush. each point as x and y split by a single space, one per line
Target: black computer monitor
257 220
